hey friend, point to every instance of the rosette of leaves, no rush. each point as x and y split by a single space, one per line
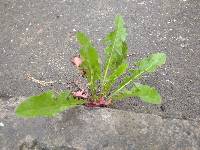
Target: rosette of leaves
101 77
115 66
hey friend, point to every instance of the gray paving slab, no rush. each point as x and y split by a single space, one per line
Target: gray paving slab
37 42
96 129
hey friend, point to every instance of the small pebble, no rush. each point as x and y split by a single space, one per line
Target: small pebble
1 124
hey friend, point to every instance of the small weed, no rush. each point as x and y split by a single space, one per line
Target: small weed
101 78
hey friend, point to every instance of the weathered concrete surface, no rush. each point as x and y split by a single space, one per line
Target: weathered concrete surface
37 38
89 129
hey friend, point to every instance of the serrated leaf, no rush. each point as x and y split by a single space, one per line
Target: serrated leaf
90 61
146 65
83 39
151 63
116 50
144 92
47 104
114 76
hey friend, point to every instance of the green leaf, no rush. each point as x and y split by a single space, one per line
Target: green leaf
47 104
146 65
116 50
90 61
114 76
144 92
151 63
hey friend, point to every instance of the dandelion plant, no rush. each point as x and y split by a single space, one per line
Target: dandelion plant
101 77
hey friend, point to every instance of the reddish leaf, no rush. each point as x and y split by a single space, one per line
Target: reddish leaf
100 103
80 94
76 61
